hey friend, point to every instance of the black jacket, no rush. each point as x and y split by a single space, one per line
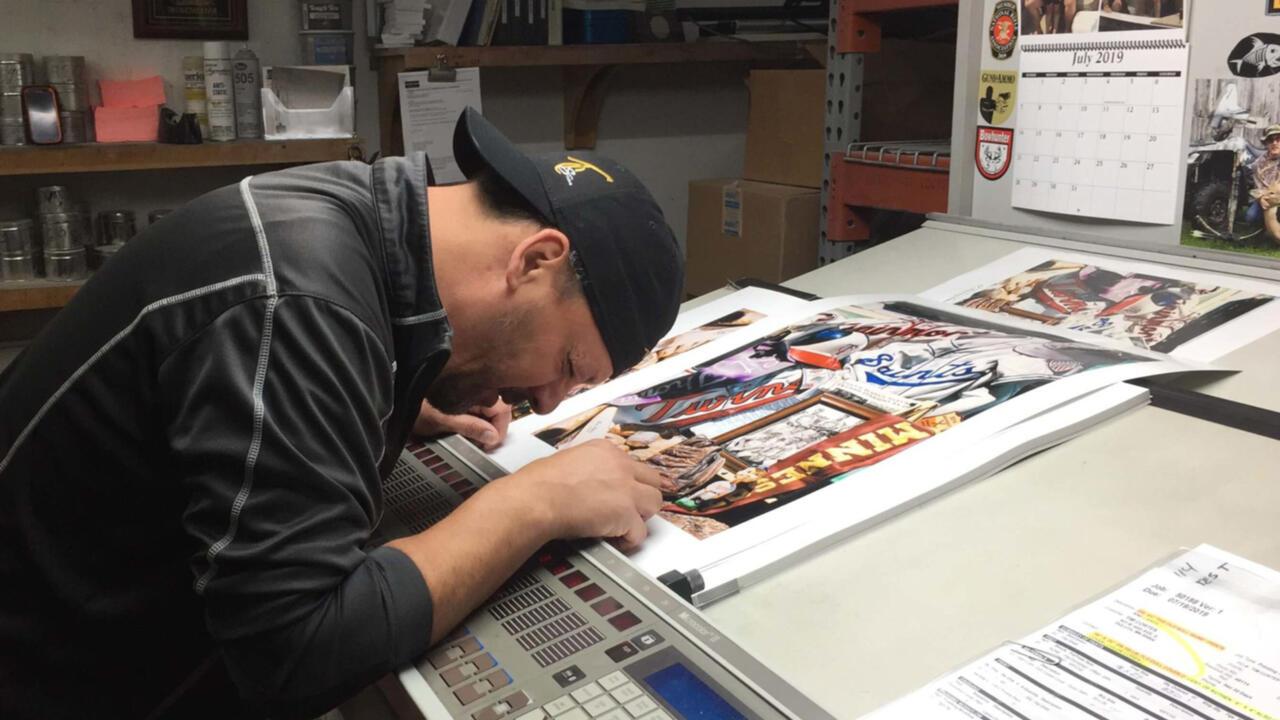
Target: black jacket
191 453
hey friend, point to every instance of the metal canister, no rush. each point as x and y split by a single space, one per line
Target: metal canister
17 237
103 253
155 215
11 105
116 227
68 69
16 268
81 211
54 199
65 265
75 128
13 133
71 97
63 232
16 70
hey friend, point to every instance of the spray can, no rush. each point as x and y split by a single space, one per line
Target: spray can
246 76
219 91
193 91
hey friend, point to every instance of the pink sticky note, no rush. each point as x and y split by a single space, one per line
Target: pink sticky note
127 124
132 93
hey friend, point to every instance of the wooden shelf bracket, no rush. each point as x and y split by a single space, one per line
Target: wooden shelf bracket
584 89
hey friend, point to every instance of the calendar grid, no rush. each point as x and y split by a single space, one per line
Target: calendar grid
1102 143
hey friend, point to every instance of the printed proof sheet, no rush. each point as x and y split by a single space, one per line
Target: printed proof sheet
1187 314
1197 638
780 424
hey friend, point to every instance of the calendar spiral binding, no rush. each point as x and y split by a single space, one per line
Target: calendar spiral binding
1162 44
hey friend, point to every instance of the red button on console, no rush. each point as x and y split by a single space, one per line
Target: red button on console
573 579
624 620
607 606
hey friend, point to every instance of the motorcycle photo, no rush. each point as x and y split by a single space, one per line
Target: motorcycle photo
1220 176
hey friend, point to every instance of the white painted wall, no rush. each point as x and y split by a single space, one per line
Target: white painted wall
668 124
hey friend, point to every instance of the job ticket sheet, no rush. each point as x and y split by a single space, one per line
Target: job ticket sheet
1195 638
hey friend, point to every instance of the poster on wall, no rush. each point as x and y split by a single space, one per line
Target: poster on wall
1233 165
191 19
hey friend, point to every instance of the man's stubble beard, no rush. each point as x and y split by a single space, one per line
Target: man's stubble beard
457 390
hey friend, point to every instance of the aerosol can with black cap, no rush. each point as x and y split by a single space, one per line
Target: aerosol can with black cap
246 78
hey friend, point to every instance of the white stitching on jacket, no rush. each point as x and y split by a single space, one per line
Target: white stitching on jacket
164 302
259 383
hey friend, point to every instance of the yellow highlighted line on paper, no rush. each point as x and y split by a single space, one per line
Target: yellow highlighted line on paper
1176 633
1156 619
1137 657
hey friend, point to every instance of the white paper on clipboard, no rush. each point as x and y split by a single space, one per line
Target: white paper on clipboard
428 112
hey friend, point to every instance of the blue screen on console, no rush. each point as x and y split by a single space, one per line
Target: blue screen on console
689 696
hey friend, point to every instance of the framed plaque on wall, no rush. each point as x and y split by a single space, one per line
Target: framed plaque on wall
191 19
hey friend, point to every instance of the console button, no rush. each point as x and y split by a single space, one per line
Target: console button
569 676
621 651
647 639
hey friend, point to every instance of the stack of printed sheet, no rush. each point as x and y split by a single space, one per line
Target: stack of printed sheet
781 425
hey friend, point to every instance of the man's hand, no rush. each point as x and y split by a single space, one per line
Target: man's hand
1269 197
485 426
593 490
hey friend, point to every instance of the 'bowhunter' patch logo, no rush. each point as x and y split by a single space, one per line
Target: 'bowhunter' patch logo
1004 29
993 151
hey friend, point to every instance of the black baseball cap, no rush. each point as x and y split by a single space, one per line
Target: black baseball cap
633 267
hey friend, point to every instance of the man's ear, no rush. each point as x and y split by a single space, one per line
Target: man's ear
537 258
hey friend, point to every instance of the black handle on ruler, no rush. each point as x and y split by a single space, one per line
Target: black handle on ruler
1229 413
747 282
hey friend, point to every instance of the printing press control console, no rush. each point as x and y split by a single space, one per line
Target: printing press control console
578 634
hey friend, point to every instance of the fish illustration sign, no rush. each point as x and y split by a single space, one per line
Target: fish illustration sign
993 151
1257 55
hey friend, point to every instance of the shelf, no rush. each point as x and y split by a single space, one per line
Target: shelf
879 6
36 295
111 157
422 58
909 176
586 70
858 26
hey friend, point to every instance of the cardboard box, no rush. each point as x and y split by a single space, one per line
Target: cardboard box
740 228
785 126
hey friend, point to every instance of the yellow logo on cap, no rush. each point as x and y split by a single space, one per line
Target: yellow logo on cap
572 166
